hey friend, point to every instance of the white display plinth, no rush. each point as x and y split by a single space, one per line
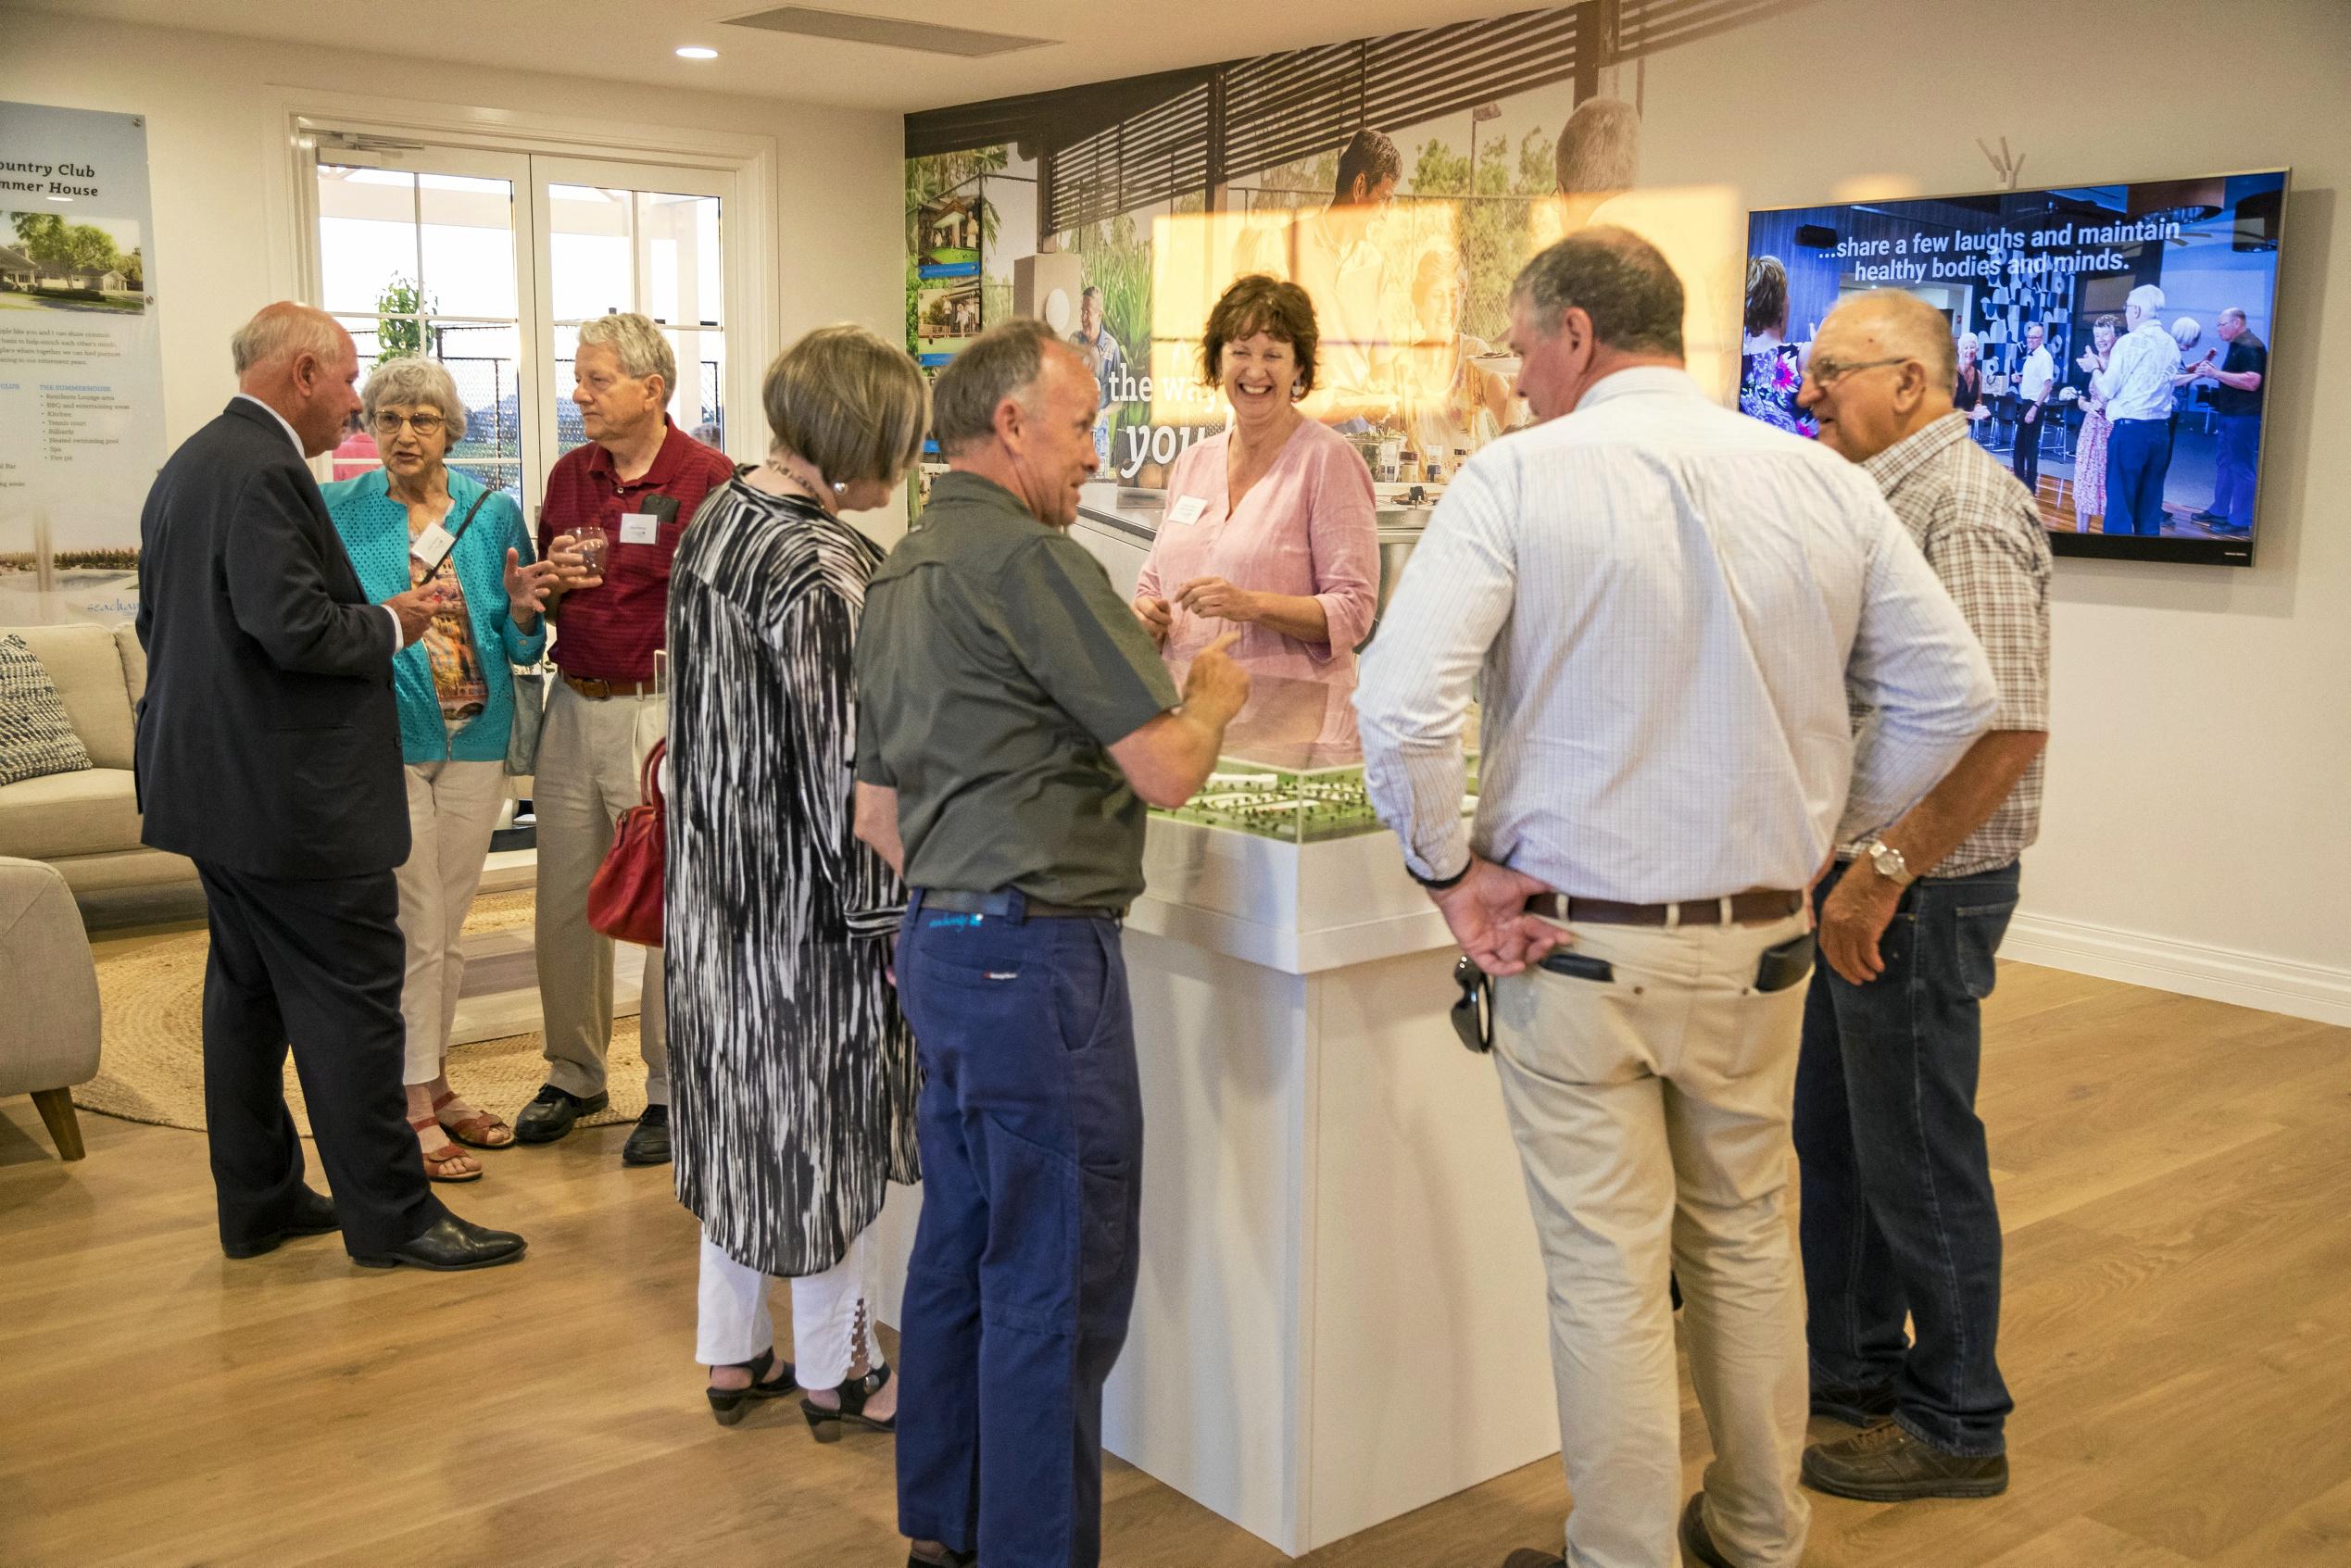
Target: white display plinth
1342 1313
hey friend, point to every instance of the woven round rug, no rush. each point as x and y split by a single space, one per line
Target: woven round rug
151 1061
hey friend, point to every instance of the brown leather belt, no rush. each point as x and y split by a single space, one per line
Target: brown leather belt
1754 907
597 691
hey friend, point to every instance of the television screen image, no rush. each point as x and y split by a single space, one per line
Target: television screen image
2113 341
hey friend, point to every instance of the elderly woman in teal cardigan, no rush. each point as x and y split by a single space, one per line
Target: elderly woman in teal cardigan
413 521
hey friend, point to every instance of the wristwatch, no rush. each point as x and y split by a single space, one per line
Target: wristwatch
1890 863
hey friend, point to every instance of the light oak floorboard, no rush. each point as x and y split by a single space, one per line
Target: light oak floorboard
2175 1176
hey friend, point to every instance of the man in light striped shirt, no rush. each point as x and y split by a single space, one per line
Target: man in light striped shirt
1667 601
1899 1216
2137 385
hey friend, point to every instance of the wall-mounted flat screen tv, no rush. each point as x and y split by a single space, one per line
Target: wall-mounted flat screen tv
2112 341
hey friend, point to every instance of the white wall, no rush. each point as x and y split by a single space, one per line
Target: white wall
2195 834
218 163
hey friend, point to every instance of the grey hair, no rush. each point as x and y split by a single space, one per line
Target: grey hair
282 331
1004 361
1600 147
2232 311
409 381
2187 332
1615 277
2148 297
643 351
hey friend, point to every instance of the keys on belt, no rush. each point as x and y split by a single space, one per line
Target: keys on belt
1756 907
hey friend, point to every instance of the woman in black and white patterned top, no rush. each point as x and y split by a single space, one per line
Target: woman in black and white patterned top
794 1075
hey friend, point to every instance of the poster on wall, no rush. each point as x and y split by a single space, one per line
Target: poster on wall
81 365
1400 190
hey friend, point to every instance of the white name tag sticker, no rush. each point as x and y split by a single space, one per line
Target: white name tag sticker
432 546
1187 510
640 528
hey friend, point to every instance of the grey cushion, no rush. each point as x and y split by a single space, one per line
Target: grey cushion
92 812
86 661
36 738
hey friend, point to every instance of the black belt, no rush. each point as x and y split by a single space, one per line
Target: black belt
1738 908
1010 903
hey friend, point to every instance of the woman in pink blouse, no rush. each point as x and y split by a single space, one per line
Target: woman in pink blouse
1270 529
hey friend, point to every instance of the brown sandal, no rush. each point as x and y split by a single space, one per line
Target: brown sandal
480 1130
438 1161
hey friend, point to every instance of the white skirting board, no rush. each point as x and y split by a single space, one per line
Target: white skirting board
2220 974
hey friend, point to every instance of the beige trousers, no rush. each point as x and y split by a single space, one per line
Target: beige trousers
591 761
453 808
1651 1115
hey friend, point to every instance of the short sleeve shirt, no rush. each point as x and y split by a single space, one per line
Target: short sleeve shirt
996 666
610 632
2246 352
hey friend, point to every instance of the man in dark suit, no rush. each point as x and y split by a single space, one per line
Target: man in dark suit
269 752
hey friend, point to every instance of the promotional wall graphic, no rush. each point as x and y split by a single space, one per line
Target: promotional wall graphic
81 366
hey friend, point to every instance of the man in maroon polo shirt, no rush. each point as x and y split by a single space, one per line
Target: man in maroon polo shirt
640 480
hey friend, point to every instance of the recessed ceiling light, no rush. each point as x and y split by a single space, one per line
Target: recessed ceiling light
696 52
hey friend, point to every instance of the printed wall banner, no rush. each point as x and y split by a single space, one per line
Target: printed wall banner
1399 188
80 366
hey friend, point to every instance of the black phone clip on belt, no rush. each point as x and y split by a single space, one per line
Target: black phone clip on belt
1474 1011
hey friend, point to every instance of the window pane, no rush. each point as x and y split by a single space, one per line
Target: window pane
366 236
481 357
466 242
698 403
683 285
569 433
589 251
507 477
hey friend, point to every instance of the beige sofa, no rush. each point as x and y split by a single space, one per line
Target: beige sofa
49 1030
86 824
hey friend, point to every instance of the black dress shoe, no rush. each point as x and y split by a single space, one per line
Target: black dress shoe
1528 1557
1697 1541
313 1215
650 1140
551 1112
450 1244
940 1556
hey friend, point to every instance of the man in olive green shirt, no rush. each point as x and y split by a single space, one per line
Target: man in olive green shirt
1014 724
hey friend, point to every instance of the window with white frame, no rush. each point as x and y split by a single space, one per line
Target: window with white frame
489 261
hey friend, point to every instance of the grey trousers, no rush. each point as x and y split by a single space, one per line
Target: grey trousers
591 760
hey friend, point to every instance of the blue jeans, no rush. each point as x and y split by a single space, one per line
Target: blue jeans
1017 1296
2239 449
2138 456
1898 1210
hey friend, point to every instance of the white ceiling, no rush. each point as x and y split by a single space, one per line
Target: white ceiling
632 40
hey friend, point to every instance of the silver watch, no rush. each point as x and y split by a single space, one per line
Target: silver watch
1890 863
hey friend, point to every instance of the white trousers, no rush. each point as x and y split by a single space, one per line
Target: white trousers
453 808
591 763
1652 1116
831 1314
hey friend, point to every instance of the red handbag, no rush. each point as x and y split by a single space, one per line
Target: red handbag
624 898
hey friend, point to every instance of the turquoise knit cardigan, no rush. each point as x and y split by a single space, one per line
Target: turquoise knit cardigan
375 530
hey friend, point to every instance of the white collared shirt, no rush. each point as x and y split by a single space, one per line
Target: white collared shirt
2136 382
400 637
2040 374
1667 599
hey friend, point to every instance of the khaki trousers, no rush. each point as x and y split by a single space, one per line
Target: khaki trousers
453 808
591 761
1652 1116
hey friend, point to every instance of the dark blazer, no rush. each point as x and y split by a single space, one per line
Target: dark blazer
269 741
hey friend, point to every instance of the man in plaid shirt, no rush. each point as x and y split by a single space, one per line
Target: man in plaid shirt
1899 1217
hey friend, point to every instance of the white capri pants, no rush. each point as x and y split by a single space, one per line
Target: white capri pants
831 1314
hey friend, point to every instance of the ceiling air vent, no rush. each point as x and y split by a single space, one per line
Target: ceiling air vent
890 33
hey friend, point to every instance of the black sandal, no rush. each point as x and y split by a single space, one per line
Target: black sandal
853 1394
730 1405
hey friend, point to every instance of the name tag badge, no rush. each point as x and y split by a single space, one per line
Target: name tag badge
640 528
432 546
1186 510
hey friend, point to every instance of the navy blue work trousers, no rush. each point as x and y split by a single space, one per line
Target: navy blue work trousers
1017 1296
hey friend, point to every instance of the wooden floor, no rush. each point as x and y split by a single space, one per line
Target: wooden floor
2176 1177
